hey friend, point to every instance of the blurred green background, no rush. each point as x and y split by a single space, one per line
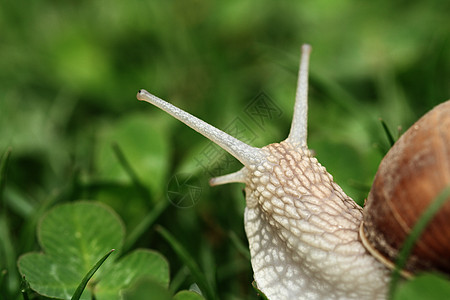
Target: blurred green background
69 73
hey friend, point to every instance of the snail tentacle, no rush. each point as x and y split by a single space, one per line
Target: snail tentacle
245 153
239 176
299 126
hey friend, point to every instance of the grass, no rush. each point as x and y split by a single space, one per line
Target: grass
69 74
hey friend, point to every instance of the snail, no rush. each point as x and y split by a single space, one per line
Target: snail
409 178
304 232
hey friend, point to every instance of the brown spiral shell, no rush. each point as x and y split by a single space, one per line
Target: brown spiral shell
410 176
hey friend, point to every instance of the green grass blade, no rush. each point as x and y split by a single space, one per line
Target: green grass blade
8 257
178 279
7 246
84 282
24 288
389 135
143 191
2 276
24 294
198 275
144 225
3 167
415 234
237 242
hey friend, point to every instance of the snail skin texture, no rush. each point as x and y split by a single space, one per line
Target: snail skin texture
302 229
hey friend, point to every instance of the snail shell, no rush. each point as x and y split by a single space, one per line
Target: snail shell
411 175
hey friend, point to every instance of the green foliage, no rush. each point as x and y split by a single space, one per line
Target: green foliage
198 275
148 289
187 295
73 238
426 286
141 139
80 289
138 264
68 78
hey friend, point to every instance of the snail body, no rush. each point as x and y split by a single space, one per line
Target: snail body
303 230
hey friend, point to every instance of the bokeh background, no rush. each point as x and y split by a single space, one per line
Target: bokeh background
70 70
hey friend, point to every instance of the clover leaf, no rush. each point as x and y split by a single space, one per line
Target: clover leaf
73 238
